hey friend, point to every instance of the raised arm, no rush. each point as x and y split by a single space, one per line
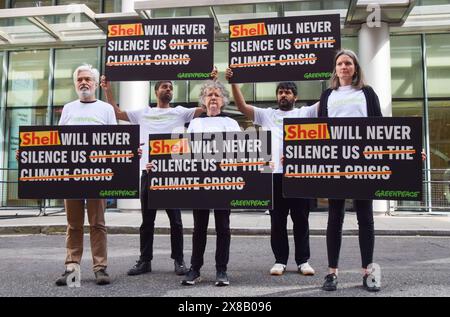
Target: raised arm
239 100
106 86
214 74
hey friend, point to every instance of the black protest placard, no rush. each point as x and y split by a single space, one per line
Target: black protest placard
279 49
225 170
359 158
160 49
75 162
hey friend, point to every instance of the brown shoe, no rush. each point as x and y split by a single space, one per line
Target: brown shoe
101 277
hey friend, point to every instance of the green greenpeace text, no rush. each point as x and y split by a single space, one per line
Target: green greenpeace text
321 75
396 194
249 203
118 193
193 75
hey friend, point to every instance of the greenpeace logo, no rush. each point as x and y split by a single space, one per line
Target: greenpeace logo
317 75
193 75
118 193
249 203
396 194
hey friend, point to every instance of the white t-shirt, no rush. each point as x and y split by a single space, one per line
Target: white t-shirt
87 113
311 111
272 119
213 124
346 101
159 120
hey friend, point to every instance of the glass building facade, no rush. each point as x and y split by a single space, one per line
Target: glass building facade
37 82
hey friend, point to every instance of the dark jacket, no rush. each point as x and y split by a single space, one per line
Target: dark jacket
373 104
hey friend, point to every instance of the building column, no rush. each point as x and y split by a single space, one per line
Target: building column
375 59
134 95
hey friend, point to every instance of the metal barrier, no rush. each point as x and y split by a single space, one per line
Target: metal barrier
437 199
9 198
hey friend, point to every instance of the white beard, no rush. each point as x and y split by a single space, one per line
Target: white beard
84 93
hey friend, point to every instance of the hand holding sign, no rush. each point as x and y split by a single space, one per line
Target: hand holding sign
104 83
214 73
228 74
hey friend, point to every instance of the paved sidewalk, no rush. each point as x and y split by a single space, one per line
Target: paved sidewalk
243 223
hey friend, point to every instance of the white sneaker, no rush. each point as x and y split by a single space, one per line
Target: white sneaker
277 269
306 269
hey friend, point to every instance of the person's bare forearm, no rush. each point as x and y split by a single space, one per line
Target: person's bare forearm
247 110
121 115
109 94
198 112
110 97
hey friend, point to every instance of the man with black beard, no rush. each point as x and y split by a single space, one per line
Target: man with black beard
154 120
272 119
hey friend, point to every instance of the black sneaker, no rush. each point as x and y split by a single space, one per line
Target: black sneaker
180 268
373 285
330 283
191 277
222 279
101 277
140 267
62 280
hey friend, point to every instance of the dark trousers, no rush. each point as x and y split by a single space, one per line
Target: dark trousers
223 235
364 214
147 229
299 210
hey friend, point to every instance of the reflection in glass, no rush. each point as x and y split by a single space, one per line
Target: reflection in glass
28 78
15 118
438 65
30 3
431 2
439 122
266 92
309 90
350 43
113 6
406 66
66 61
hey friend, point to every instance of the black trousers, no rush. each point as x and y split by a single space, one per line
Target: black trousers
364 214
223 235
299 210
147 229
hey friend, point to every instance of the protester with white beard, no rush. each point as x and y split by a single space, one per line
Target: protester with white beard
86 111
